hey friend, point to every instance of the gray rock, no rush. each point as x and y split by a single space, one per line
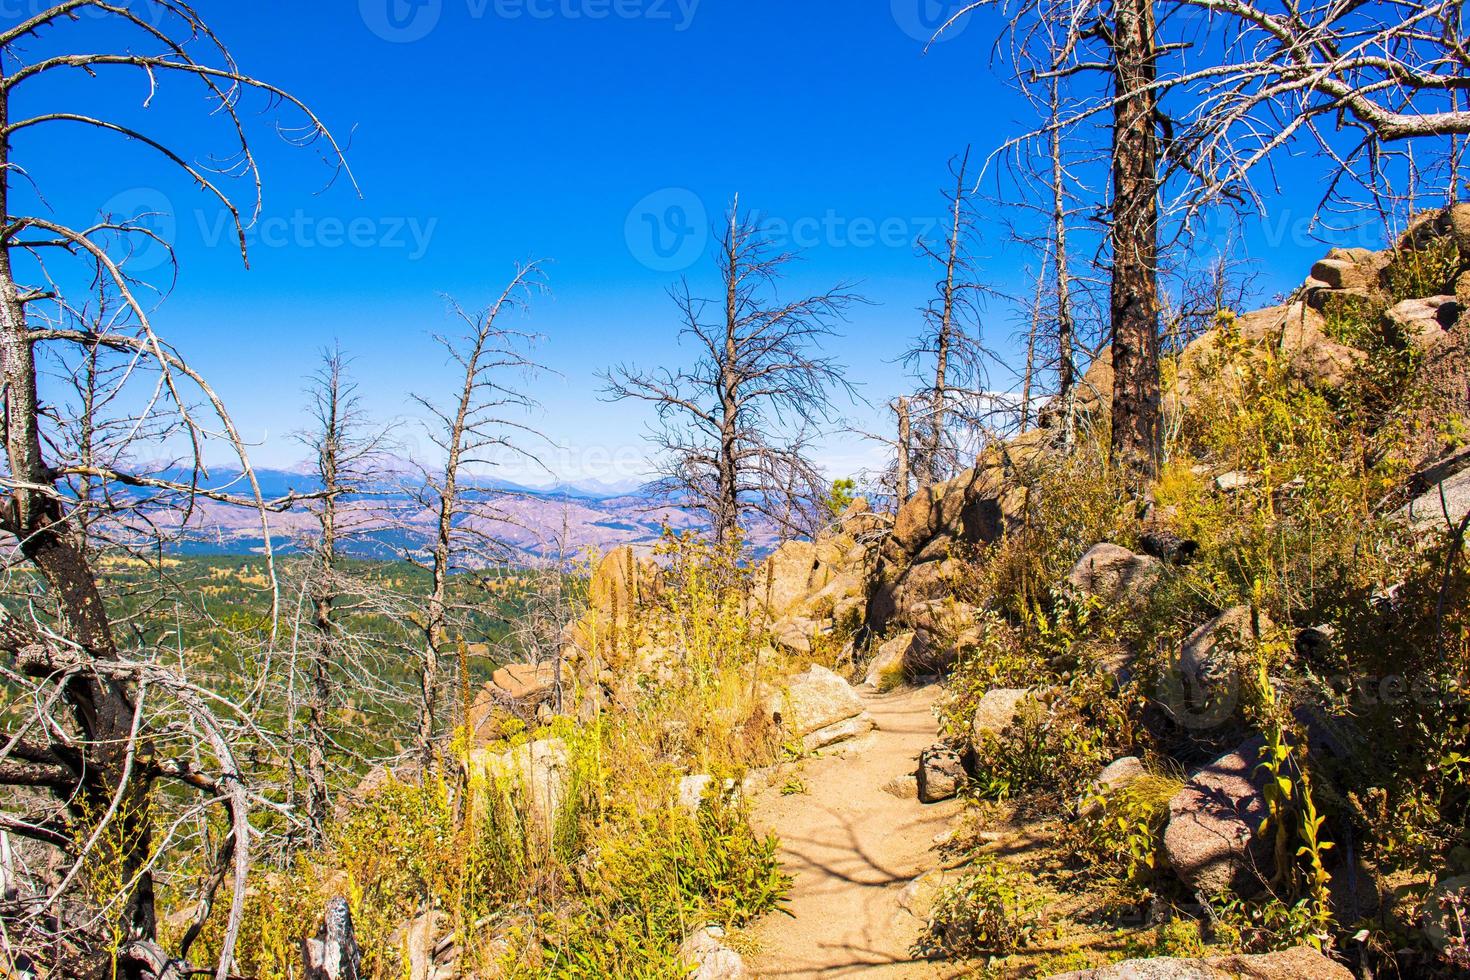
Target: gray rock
1115 776
1426 322
708 957
842 731
905 787
918 896
996 710
1114 573
1212 838
1349 269
1300 963
1442 506
693 789
941 773
1234 481
1202 684
820 708
886 671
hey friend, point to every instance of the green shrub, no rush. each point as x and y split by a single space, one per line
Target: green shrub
1119 837
987 912
648 882
1426 271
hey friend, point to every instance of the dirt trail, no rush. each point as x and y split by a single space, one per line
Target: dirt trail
852 848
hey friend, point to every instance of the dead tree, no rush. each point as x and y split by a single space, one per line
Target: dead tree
902 479
1137 434
486 420
734 426
948 357
1190 123
348 454
1066 334
86 745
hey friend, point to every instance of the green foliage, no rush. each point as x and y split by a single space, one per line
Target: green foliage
989 912
1429 270
1179 937
1265 925
1053 747
841 497
650 881
1119 837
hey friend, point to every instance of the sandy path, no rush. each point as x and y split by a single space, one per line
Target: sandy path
852 848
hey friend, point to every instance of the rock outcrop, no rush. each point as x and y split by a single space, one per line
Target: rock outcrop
809 587
935 529
820 709
538 772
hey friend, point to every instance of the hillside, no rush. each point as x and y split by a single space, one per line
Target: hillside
557 523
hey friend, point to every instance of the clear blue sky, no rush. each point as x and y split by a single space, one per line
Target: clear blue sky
484 132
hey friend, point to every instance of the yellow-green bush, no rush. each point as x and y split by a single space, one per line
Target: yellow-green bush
989 911
1119 837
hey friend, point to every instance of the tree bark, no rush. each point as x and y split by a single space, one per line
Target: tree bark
1136 431
905 437
1066 368
727 515
102 708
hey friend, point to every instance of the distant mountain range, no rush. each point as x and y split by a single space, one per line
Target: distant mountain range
567 519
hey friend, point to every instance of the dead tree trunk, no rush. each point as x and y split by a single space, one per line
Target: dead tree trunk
1066 367
727 509
1136 433
99 760
905 437
334 953
935 449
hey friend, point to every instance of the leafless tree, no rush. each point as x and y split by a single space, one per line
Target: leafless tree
948 356
91 726
1199 93
735 425
348 453
486 420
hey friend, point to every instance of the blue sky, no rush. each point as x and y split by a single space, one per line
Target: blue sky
486 132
